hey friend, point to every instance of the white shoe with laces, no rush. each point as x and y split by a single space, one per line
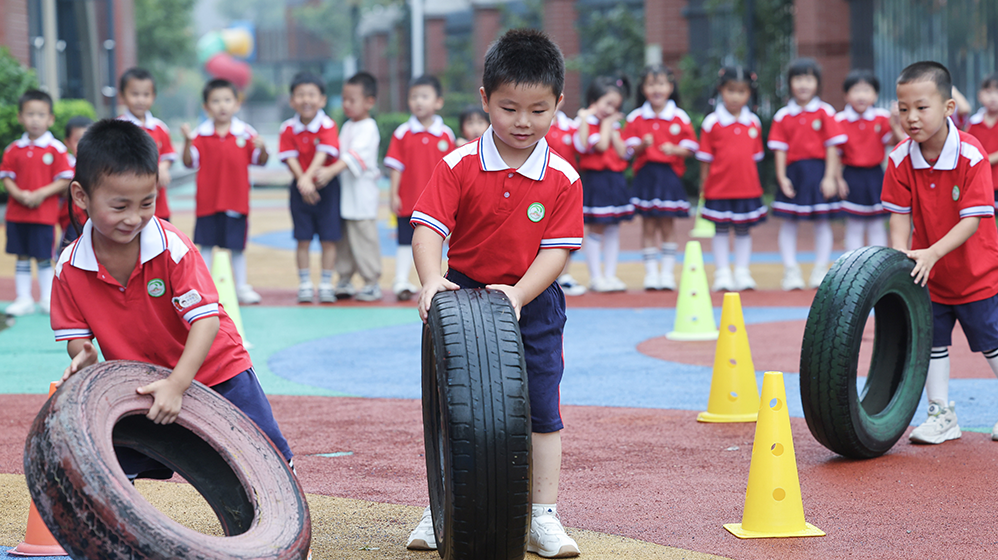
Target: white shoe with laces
306 291
743 279
616 284
939 427
667 281
792 279
21 306
246 295
570 285
422 537
723 281
817 275
651 281
548 538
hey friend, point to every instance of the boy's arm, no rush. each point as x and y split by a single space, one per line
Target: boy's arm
185 152
164 172
780 159
13 190
261 148
427 253
704 172
168 393
57 187
325 174
83 353
900 231
542 272
305 185
925 259
394 199
993 160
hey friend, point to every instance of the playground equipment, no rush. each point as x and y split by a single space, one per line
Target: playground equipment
694 313
224 54
734 394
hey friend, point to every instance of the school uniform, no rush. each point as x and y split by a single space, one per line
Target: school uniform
733 148
414 151
863 157
561 137
804 133
302 141
359 250
161 135
963 284
223 185
34 165
988 135
605 196
498 218
657 187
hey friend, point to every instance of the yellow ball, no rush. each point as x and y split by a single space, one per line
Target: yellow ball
238 42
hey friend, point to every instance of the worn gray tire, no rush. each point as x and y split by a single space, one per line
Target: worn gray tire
865 423
476 425
87 502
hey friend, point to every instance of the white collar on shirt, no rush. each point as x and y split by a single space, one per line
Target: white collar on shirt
436 128
852 116
236 128
313 126
668 112
813 105
152 242
562 122
725 118
149 122
948 157
42 141
978 117
534 168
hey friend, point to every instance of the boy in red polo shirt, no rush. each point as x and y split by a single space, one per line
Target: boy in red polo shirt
513 211
222 148
414 150
984 124
138 91
137 284
939 184
35 171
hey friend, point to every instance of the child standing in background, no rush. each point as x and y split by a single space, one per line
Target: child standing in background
561 139
415 149
660 135
862 172
804 137
730 149
138 92
222 148
606 201
75 127
473 122
984 124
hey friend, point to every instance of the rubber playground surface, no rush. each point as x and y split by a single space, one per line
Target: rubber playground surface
640 477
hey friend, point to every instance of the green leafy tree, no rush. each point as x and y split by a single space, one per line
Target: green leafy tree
164 35
14 78
612 43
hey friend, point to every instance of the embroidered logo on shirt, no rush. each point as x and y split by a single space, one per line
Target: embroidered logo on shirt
674 129
876 128
752 133
535 212
566 139
47 159
816 124
156 287
442 145
190 298
956 193
241 142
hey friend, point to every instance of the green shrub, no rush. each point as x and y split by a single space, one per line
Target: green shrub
66 109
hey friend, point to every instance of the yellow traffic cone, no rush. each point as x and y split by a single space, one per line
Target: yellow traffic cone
773 504
221 273
694 313
702 228
734 394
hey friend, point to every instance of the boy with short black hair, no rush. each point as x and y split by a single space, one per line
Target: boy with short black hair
415 149
309 142
222 148
984 124
138 92
513 211
75 127
939 184
35 171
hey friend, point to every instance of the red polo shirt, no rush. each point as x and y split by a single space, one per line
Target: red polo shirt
414 151
561 137
589 158
805 132
149 318
868 134
223 167
161 135
938 196
33 165
732 146
500 218
672 125
302 141
988 137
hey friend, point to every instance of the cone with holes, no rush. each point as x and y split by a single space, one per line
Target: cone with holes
221 273
694 312
773 504
734 394
702 227
38 541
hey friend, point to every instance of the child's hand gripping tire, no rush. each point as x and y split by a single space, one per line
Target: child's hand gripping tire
87 502
476 425
865 423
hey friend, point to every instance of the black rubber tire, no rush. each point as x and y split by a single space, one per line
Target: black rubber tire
476 425
865 424
87 502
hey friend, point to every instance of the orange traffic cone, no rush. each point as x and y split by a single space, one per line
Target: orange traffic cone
38 540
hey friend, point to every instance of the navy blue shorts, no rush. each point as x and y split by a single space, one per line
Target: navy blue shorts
405 230
33 240
322 219
605 197
224 229
542 327
865 184
245 392
978 319
808 203
658 192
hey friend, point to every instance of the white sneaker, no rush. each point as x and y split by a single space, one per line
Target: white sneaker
939 427
616 284
371 292
404 291
792 279
45 305
246 295
599 284
667 281
548 538
306 291
345 290
570 286
422 537
743 279
21 306
652 281
723 282
817 275
327 293
994 432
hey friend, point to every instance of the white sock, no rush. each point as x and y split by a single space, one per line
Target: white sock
650 257
854 233
45 275
992 357
304 276
743 250
822 243
937 381
611 249
668 259
206 254
592 248
239 268
22 279
876 233
787 240
538 510
721 252
403 263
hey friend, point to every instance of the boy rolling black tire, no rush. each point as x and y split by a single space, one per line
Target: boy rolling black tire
476 422
88 504
865 423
